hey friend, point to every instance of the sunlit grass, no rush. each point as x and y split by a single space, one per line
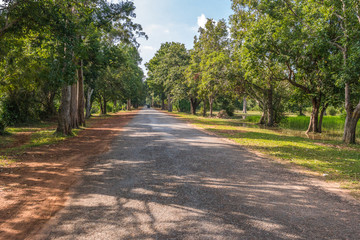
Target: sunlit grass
330 158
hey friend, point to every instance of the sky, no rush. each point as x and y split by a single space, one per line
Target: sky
175 20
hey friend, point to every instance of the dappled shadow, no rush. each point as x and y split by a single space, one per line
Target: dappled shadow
34 188
164 180
344 159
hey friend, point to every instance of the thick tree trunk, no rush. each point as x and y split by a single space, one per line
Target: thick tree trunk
244 105
211 101
352 118
81 97
128 106
204 108
314 118
64 120
270 107
322 114
169 103
88 102
350 129
194 103
74 106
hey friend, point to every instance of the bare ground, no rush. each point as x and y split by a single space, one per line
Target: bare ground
34 188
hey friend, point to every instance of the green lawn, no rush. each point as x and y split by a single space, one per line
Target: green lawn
328 157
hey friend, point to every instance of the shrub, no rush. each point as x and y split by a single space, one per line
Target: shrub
332 111
222 114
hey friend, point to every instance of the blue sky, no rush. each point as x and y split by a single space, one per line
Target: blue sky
175 20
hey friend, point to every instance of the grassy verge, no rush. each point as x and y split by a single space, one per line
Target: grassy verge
19 139
329 158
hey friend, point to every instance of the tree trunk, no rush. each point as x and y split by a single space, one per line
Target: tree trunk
162 104
244 105
169 103
352 118
194 103
50 108
104 106
204 108
314 118
301 111
270 107
81 97
74 105
64 120
211 101
88 102
322 114
115 105
101 105
128 107
262 119
350 129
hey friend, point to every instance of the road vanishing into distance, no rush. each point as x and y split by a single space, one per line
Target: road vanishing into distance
164 179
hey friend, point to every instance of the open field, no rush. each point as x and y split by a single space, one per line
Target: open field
324 156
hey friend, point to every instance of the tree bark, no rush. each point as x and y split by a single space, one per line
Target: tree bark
194 103
64 120
322 114
211 101
88 102
204 108
101 105
301 111
314 118
244 105
270 107
81 97
104 106
74 106
128 106
262 118
352 118
162 104
169 103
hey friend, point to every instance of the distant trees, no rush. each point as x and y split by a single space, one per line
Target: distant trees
282 54
54 54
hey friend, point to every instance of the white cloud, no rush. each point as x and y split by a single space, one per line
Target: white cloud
147 48
201 21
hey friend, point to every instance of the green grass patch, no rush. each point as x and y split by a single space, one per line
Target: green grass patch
330 158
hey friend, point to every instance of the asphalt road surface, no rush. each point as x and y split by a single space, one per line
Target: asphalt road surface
164 179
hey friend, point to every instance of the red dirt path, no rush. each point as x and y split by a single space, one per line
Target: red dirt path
34 188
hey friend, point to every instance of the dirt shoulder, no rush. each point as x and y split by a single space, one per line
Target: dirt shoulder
34 188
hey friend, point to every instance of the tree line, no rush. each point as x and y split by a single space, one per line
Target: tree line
283 54
58 57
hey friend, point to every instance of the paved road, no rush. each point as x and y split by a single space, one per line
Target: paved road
164 179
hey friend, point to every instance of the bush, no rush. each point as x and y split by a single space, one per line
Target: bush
222 114
332 111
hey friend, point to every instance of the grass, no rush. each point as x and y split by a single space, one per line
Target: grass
36 134
330 158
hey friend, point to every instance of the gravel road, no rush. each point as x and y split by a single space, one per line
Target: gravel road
164 179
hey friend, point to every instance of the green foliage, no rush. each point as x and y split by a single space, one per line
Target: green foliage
182 105
332 111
